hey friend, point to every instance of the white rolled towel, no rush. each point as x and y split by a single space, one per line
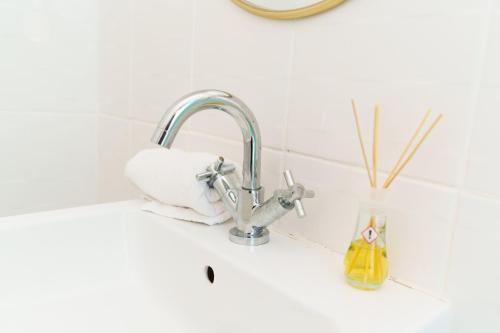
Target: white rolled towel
168 177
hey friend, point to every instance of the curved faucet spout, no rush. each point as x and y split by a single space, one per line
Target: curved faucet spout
216 100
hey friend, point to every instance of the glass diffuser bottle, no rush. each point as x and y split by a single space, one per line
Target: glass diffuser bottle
365 262
366 259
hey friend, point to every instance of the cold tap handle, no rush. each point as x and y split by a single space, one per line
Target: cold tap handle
301 193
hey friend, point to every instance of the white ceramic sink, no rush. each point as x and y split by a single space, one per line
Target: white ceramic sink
112 268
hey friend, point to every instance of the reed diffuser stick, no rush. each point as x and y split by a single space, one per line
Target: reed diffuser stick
369 256
375 145
366 261
413 152
408 146
361 143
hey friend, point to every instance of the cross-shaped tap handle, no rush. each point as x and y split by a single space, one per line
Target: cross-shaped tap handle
219 167
299 207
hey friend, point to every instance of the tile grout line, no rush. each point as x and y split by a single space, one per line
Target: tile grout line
50 113
194 26
130 76
131 44
288 95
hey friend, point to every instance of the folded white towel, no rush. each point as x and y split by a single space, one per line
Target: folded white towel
183 213
168 176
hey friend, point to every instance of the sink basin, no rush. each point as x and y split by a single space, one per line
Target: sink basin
113 268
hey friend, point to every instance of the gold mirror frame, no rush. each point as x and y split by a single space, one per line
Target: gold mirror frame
317 8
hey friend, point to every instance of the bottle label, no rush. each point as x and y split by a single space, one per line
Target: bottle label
370 235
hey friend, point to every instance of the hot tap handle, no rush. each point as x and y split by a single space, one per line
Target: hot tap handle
299 207
219 167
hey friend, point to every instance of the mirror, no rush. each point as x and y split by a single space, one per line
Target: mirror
287 9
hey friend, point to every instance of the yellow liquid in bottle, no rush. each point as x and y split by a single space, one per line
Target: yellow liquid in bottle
365 265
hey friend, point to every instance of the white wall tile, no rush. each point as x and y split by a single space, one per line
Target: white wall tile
48 161
34 195
49 58
419 226
231 43
48 104
474 275
323 125
268 103
484 160
113 154
115 57
431 49
491 69
63 147
253 52
140 136
161 55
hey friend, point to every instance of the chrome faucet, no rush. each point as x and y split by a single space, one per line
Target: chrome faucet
244 199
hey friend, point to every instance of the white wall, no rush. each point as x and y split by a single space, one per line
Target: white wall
298 78
48 104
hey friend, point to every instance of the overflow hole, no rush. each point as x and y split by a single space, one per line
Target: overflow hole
209 271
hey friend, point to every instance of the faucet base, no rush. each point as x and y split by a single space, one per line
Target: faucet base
250 239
